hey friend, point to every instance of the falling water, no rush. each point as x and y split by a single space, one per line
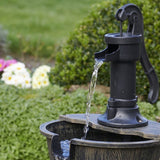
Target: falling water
92 86
65 145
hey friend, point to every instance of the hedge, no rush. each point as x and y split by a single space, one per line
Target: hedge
74 64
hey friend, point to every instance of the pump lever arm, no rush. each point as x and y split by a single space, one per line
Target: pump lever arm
152 77
135 26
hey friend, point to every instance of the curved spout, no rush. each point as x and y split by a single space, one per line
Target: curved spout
101 55
111 53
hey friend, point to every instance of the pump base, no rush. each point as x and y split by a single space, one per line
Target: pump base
122 118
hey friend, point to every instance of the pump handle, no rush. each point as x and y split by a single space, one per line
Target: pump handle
135 27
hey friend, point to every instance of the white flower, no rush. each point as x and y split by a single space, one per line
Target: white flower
15 67
17 75
8 78
40 77
27 82
44 68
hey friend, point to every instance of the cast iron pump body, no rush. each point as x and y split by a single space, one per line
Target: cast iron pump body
123 50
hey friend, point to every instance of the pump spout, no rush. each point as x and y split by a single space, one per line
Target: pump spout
111 53
101 55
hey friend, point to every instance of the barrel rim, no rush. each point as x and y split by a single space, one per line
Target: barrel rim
99 144
44 131
107 144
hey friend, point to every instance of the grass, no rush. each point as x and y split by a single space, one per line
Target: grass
41 22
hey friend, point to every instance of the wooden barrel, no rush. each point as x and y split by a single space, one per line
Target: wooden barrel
99 145
98 150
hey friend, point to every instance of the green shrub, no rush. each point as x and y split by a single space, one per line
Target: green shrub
23 111
147 110
74 64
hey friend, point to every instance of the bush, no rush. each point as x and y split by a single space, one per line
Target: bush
147 110
23 111
74 64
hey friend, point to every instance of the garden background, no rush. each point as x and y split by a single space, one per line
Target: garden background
63 35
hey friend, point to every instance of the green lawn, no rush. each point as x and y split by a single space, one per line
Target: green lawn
41 22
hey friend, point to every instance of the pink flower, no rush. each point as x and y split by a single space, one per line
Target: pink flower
2 64
10 62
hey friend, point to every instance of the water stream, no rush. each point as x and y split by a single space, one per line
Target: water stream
65 145
92 86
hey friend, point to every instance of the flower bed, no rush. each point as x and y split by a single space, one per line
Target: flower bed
15 73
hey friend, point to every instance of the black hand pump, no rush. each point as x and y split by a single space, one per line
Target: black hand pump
123 50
